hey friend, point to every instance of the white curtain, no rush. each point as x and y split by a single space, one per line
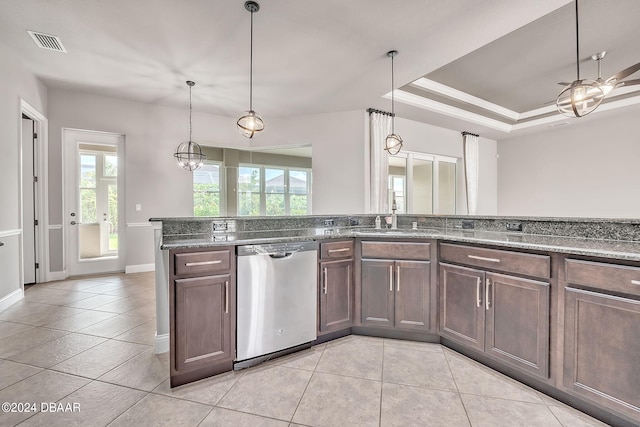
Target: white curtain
471 166
379 128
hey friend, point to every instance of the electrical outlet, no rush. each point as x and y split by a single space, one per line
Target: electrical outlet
467 225
514 226
329 222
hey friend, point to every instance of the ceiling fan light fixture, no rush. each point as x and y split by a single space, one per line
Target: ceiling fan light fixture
250 123
189 155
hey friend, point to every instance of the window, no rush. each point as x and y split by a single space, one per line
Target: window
267 190
207 190
88 188
423 183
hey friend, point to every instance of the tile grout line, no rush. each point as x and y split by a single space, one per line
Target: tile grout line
453 377
306 386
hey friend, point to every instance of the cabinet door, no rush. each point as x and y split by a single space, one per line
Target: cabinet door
336 295
412 283
377 292
462 311
517 322
203 313
602 349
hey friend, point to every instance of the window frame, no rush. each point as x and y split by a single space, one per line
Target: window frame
221 192
435 160
287 194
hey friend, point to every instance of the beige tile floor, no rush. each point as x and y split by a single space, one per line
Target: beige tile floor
88 341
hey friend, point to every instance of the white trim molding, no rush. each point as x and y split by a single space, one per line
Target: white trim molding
13 298
58 275
161 344
56 226
139 224
139 268
9 233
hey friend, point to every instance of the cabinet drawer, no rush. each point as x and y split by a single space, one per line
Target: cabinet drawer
507 261
397 250
620 278
202 262
333 250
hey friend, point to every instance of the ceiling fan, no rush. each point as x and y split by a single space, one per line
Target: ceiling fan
583 96
615 81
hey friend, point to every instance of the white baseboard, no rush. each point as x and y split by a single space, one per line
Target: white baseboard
57 275
17 295
161 344
139 268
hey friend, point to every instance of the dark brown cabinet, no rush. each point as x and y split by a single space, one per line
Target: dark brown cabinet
601 335
396 293
504 316
335 287
202 314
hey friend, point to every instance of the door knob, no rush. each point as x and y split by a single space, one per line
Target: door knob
73 223
73 214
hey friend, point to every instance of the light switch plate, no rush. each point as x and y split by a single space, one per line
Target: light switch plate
138 207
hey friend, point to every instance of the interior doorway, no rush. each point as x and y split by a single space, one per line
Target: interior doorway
30 223
94 200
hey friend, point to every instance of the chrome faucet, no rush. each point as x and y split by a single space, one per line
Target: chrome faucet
394 216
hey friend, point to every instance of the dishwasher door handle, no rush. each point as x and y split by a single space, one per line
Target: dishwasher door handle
282 255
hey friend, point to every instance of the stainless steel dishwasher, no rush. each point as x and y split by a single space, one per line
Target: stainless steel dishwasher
277 300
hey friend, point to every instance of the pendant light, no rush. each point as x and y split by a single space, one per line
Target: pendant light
251 123
189 154
393 142
582 96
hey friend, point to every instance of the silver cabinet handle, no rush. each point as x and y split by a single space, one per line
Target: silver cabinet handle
338 250
397 278
391 278
487 303
481 258
635 282
324 272
194 264
478 299
226 297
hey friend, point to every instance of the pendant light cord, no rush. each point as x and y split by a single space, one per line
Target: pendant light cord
190 127
251 67
393 113
577 45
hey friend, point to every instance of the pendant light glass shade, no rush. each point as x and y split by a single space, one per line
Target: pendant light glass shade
393 142
582 96
189 155
250 123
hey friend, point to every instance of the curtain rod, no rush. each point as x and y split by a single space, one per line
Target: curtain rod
373 110
469 133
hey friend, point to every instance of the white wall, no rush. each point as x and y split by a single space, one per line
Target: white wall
15 83
430 139
153 180
588 168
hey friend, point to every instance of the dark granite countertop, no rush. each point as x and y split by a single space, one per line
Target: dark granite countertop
614 249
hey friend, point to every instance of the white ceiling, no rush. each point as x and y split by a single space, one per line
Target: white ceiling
314 57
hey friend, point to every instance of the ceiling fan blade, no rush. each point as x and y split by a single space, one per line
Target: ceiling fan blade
628 83
624 73
564 83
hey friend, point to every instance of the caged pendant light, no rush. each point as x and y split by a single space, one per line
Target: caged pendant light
581 97
189 154
250 123
393 142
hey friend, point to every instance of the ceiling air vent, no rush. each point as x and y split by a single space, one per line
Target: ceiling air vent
47 41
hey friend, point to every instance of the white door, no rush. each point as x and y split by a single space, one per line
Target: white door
94 202
28 204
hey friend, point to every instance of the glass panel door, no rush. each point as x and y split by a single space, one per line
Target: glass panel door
422 186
